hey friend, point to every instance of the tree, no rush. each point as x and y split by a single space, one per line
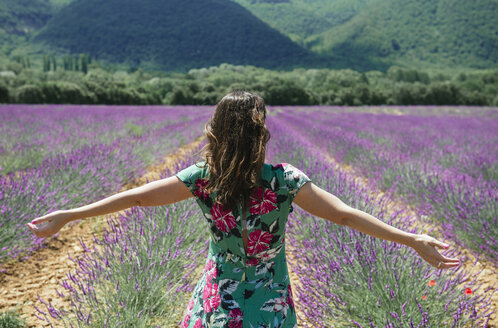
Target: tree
285 92
29 94
4 93
71 93
364 79
46 63
444 94
179 96
362 93
405 94
51 92
84 63
14 67
54 63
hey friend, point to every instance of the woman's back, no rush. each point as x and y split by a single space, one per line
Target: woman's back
250 283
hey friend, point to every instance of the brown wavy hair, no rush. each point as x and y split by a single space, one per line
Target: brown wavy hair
235 152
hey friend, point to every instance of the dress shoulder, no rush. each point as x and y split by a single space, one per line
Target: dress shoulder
193 176
294 178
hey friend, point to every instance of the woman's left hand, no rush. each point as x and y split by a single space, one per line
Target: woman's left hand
425 246
54 222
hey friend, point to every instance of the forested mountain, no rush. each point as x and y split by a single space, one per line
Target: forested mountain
173 34
363 35
301 19
415 33
19 18
419 34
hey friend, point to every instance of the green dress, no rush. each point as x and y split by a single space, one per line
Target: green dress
239 290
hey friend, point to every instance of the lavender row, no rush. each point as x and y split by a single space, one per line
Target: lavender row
82 175
406 110
140 274
446 166
351 279
31 133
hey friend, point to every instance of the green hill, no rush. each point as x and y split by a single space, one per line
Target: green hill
417 34
362 35
412 33
19 18
300 19
173 34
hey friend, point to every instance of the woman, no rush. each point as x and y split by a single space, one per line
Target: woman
246 203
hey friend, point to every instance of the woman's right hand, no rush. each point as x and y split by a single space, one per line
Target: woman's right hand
425 246
54 222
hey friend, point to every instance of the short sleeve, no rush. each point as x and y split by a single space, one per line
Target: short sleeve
294 179
191 176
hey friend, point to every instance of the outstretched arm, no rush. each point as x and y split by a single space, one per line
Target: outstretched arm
156 193
320 203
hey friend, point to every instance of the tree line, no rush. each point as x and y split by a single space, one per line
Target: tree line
79 80
69 62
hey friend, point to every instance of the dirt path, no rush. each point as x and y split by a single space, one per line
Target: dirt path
40 275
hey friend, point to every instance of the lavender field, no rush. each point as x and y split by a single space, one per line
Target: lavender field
55 157
140 270
445 166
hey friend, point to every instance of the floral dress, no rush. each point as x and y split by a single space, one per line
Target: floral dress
240 289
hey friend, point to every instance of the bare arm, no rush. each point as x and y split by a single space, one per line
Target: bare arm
320 203
156 193
161 192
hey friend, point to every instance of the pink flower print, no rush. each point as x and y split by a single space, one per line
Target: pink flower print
186 320
236 316
281 165
188 314
223 219
258 241
211 271
280 305
252 262
276 305
206 292
262 201
290 299
190 305
198 323
296 175
211 297
200 188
